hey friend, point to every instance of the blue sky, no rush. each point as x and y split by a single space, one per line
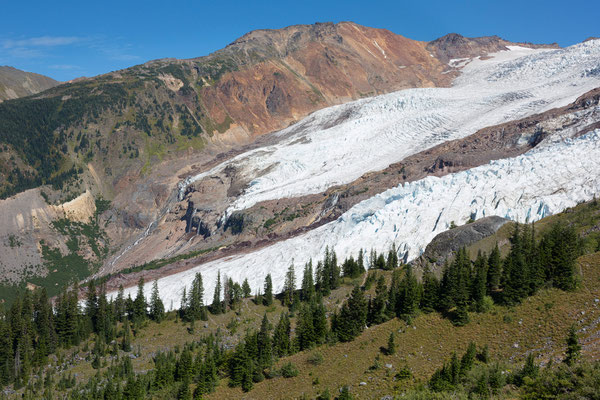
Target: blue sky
68 39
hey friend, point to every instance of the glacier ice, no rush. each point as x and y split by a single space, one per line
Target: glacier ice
339 144
543 181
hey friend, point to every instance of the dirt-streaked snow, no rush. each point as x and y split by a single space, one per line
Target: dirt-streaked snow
339 144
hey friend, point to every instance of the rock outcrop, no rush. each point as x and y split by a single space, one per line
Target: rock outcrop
450 241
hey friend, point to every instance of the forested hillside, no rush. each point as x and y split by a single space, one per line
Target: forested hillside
332 305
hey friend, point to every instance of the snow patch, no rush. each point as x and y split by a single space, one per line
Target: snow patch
380 49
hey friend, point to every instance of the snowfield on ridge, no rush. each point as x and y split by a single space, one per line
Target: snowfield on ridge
339 144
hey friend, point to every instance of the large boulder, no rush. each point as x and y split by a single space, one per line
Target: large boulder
446 243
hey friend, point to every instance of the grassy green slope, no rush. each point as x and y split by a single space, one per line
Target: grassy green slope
538 325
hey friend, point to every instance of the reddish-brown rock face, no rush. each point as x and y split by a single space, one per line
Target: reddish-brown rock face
283 75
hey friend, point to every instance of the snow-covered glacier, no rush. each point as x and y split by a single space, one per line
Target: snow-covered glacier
551 177
339 144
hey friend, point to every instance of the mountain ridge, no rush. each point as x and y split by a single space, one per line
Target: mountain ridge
15 83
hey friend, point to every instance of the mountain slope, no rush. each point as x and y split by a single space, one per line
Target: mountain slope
559 171
132 135
15 83
264 81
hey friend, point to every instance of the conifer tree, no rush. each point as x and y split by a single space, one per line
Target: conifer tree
529 370
6 357
289 287
67 317
308 285
216 306
454 369
461 315
392 258
494 270
330 272
431 288
350 268
564 252
408 295
372 259
345 394
236 294
184 390
247 292
184 366
320 281
573 347
268 296
265 354
352 317
515 274
281 336
377 314
157 308
105 319
196 308
468 359
455 288
393 294
126 340
380 262
320 325
238 365
183 305
391 345
334 271
360 261
139 304
305 332
479 283
91 305
44 322
227 293
119 304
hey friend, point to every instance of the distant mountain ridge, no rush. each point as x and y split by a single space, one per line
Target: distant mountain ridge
15 83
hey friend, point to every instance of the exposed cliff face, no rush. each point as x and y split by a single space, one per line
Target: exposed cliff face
15 83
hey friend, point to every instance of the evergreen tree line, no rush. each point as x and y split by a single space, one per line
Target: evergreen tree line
474 286
32 329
